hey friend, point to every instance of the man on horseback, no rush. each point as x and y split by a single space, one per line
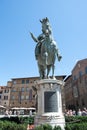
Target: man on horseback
46 50
39 41
41 37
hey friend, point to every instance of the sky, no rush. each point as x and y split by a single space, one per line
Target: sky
68 19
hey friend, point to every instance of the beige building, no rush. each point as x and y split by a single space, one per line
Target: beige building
1 94
76 86
23 91
6 94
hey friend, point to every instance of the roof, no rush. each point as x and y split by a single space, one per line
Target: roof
67 77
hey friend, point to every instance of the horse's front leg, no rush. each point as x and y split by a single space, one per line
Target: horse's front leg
40 70
44 73
53 68
48 70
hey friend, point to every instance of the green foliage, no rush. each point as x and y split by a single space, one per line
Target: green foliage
76 123
20 123
31 120
6 125
19 120
73 119
57 128
76 126
11 119
67 127
39 127
47 127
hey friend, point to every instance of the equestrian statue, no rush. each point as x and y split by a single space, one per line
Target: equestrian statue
46 50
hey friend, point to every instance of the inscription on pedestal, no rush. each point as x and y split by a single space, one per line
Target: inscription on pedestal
50 102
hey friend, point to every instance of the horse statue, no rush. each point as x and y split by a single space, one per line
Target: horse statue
46 50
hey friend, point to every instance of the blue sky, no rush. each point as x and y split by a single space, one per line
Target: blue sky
68 19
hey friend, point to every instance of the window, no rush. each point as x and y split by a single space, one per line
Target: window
27 89
19 97
75 91
12 97
80 78
14 82
22 89
13 90
0 92
27 97
86 70
30 94
5 97
6 91
27 81
22 97
80 73
85 80
74 77
23 81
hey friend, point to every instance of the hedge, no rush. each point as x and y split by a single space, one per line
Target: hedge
20 123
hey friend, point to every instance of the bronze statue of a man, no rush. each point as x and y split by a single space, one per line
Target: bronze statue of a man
46 50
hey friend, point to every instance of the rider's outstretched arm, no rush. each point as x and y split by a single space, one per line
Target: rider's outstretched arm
33 37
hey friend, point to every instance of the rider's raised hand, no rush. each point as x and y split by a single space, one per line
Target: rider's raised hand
59 58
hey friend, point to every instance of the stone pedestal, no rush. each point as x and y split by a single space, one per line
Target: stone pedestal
49 103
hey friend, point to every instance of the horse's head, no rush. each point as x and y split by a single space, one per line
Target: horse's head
46 27
44 20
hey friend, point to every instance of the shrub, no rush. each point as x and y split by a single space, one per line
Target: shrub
6 125
39 127
67 127
77 119
76 126
57 128
44 127
47 127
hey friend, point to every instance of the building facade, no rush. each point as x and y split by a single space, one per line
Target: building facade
1 94
76 86
23 92
5 94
